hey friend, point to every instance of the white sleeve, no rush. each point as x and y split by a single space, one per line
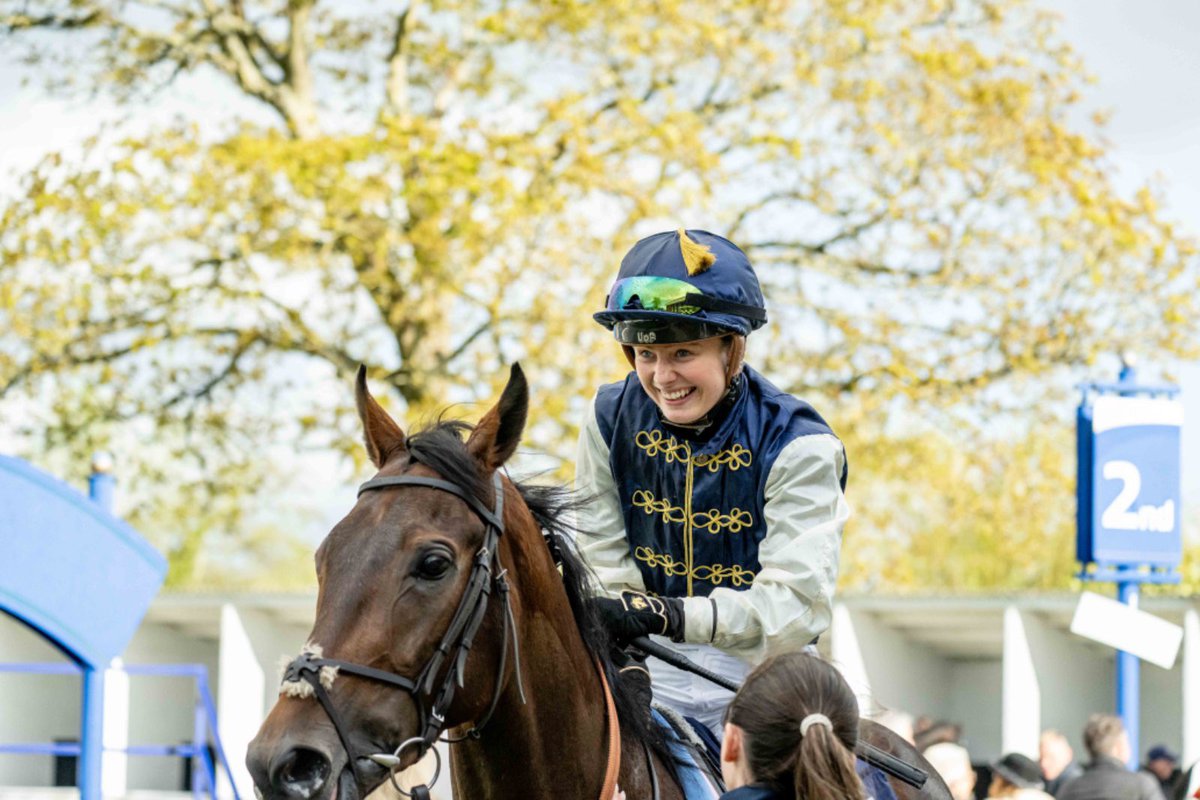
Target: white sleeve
601 535
790 600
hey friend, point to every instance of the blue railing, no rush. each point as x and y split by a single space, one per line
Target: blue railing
204 728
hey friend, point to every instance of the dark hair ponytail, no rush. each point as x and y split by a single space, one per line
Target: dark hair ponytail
825 767
770 708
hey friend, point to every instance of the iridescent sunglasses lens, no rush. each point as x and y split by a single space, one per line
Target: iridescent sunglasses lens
649 293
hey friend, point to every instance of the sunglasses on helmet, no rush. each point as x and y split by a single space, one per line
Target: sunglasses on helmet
652 293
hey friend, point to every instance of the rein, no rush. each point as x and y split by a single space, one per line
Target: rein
486 572
613 766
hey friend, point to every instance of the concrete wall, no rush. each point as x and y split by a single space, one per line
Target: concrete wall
252 648
889 670
1077 678
161 709
975 704
1190 680
42 708
1046 677
33 708
1162 706
1033 676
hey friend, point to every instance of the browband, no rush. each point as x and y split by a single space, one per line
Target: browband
493 518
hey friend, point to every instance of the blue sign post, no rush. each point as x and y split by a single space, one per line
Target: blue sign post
1128 519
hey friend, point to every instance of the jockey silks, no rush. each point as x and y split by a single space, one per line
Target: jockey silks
695 510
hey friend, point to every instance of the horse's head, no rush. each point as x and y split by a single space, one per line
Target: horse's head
404 582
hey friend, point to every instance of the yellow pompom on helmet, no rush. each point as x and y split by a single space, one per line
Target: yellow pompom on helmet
683 286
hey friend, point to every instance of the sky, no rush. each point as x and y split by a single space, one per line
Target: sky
1144 57
1141 52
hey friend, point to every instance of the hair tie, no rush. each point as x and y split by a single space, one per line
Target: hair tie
814 719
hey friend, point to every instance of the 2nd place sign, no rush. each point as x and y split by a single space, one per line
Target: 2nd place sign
1129 487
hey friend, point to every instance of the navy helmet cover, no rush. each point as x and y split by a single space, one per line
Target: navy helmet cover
728 276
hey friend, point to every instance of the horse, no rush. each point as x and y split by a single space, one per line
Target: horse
450 603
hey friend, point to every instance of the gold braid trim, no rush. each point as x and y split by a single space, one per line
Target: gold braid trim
716 574
734 457
654 443
712 520
645 501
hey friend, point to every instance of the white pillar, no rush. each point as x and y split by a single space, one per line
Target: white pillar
240 698
114 779
1020 694
846 654
1191 689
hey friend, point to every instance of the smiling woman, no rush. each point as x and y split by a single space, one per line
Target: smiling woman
684 380
714 491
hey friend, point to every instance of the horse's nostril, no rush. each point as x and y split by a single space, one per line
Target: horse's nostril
301 773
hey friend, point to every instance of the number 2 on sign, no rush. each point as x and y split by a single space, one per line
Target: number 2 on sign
1120 514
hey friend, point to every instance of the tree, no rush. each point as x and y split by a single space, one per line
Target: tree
439 188
950 511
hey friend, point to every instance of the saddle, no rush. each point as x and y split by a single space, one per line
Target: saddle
697 753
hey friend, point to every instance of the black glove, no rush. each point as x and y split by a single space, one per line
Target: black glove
637 614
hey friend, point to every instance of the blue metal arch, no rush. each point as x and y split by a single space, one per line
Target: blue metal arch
71 570
80 577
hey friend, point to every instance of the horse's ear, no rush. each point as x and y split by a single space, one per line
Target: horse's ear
382 435
496 436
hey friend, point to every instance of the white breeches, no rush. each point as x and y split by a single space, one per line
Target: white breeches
690 694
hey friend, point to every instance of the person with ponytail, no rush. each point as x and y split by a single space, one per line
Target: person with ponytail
715 500
790 734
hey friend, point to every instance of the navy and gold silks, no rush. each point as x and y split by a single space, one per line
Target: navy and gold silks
694 510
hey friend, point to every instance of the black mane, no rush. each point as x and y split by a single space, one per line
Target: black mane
441 448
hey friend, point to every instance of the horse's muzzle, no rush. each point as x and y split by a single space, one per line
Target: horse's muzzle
300 772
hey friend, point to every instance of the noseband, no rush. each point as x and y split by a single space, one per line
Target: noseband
455 645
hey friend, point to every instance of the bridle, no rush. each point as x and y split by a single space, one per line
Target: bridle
455 646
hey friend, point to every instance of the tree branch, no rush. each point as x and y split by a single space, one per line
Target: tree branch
445 359
297 92
238 39
15 22
397 61
822 247
212 383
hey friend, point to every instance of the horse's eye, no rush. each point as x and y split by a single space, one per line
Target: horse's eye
433 566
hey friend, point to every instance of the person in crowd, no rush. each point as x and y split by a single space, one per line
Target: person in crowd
953 763
1057 760
933 732
900 722
1106 777
1163 766
1017 777
716 502
790 733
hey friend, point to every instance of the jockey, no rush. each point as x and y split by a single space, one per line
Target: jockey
716 499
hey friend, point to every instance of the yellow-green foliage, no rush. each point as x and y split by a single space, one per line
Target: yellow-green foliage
441 190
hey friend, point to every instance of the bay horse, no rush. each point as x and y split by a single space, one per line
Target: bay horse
451 604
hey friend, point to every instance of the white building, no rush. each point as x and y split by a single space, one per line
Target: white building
1002 667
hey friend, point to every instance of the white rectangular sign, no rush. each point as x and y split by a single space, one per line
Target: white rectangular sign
1146 636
